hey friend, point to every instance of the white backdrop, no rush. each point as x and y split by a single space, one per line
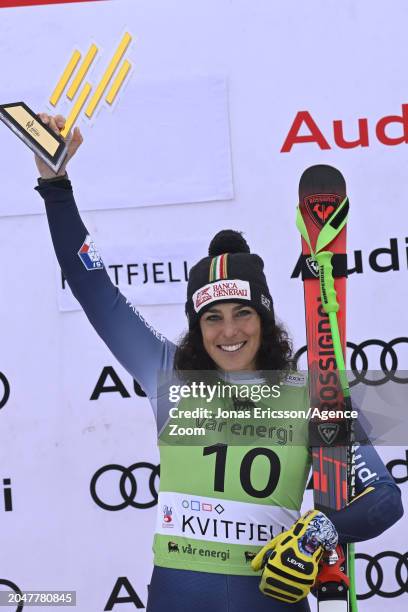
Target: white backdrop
277 58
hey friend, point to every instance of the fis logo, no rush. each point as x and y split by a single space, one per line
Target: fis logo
89 255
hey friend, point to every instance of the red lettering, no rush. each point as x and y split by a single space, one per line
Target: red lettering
315 135
304 120
362 140
385 121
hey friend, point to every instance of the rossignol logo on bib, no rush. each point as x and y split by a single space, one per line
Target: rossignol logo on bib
221 290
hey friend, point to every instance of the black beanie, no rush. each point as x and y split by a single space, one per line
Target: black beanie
231 273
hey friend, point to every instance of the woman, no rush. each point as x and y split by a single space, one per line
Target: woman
227 491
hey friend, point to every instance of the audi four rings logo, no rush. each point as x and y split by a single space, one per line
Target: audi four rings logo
359 363
6 390
129 488
375 574
14 588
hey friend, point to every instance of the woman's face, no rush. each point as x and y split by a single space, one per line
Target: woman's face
232 336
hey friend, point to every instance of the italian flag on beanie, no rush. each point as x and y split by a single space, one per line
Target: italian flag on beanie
230 273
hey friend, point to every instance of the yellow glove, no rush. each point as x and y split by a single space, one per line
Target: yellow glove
290 562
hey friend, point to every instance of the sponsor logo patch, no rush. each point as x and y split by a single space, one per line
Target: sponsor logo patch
221 290
313 266
89 255
249 556
297 563
266 302
321 206
294 380
167 516
328 432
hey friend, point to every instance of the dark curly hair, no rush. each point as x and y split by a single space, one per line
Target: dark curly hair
275 352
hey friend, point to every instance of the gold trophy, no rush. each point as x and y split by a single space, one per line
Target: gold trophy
48 145
39 137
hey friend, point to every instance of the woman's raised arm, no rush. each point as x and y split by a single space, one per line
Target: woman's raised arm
136 345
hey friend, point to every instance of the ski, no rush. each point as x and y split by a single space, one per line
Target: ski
321 220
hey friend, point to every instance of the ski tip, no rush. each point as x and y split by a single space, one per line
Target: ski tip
322 179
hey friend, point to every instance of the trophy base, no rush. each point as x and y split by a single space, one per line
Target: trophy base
43 141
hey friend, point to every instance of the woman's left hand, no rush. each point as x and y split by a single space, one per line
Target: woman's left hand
290 562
